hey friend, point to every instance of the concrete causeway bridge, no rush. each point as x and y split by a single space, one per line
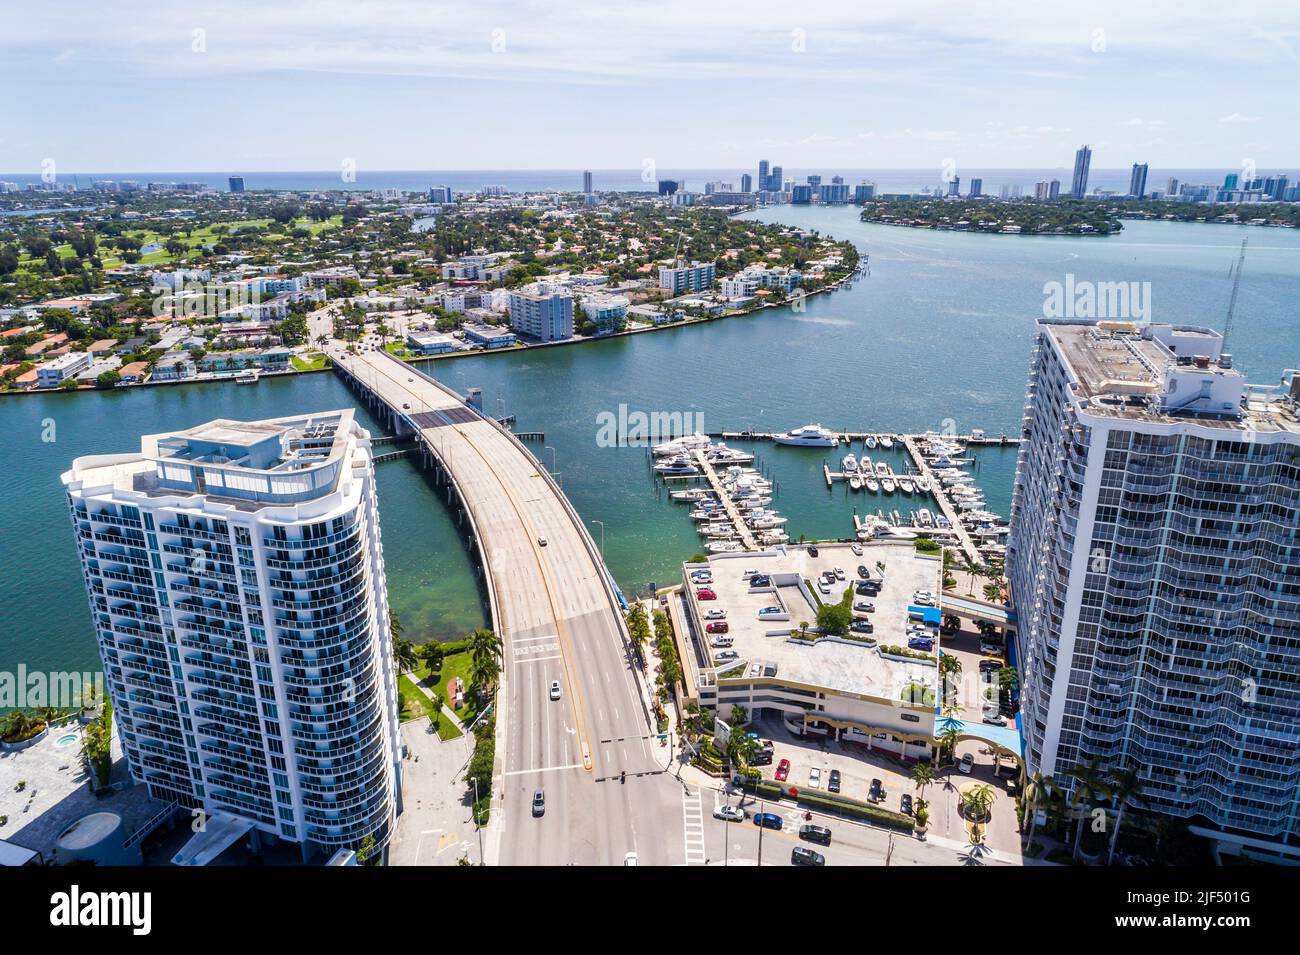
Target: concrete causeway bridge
559 616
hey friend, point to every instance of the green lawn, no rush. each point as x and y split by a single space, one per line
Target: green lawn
414 702
314 362
454 665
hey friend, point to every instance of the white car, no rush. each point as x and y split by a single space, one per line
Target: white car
815 778
729 813
924 598
716 614
967 763
630 859
857 549
839 573
726 655
555 689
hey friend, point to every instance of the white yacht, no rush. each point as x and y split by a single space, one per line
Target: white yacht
762 520
924 517
882 469
721 454
886 442
870 441
906 485
888 485
679 445
923 484
692 495
855 482
809 436
677 467
871 484
848 463
724 547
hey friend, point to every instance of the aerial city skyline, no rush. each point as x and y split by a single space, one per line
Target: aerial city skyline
477 438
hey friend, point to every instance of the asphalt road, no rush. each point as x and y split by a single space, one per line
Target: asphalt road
557 622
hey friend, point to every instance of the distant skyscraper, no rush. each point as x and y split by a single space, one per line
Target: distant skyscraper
815 182
236 583
746 182
1137 183
1082 160
976 187
954 187
440 194
1042 189
236 183
801 195
776 182
1054 189
668 186
1275 187
764 171
1171 189
1230 181
586 180
864 192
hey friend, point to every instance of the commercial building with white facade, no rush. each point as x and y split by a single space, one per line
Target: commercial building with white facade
1154 558
542 311
236 582
56 372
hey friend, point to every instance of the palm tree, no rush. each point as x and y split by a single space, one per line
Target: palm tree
484 652
739 717
395 627
404 655
948 741
1126 786
1042 785
993 591
1091 786
741 748
978 801
922 775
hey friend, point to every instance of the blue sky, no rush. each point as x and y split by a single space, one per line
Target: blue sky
413 84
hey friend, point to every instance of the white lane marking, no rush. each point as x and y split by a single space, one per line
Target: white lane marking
543 769
692 826
554 656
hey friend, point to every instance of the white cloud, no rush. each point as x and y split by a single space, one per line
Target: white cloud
1234 118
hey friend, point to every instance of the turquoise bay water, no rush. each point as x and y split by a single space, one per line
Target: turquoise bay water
938 331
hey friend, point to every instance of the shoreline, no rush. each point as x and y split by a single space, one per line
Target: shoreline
472 353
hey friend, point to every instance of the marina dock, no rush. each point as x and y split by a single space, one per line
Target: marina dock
849 437
937 492
733 512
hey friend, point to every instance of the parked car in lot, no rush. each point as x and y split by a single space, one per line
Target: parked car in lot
768 820
863 572
824 588
921 643
726 655
815 778
718 626
990 649
866 588
802 855
770 611
539 802
717 613
862 626
760 580
762 758
721 640
857 549
833 784
704 593
812 550
991 666
923 598
905 804
839 573
967 763
729 813
818 834
783 770
994 718
864 606
877 791
702 576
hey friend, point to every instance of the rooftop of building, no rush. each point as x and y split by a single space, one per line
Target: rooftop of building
1164 373
841 665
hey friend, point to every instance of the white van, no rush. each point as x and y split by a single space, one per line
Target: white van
720 641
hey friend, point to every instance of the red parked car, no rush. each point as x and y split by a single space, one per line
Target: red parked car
719 626
782 770
704 593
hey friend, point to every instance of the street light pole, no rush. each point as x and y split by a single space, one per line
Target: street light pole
552 450
476 823
602 536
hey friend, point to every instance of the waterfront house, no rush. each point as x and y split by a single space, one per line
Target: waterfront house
174 367
134 373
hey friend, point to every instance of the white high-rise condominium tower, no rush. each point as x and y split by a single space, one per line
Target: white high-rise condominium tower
236 584
1154 559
